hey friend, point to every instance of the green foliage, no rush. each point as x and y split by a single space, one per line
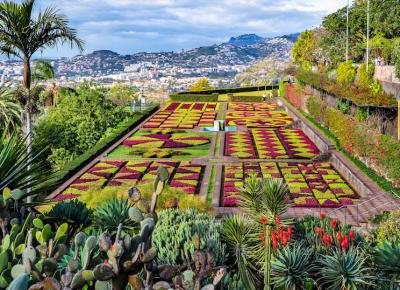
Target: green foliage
112 213
78 123
10 111
398 68
365 77
306 66
194 97
343 270
42 71
175 230
264 198
292 267
240 249
304 47
344 106
122 94
202 84
73 212
362 114
376 87
18 170
387 261
389 229
346 74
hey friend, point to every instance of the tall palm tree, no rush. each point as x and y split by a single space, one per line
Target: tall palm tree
23 33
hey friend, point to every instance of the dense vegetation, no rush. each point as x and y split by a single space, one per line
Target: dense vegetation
79 121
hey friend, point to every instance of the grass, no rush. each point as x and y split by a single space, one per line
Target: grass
379 180
124 152
217 145
211 186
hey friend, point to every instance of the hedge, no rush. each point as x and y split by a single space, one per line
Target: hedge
245 98
81 161
194 97
230 90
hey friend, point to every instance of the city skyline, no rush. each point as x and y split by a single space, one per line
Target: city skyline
128 26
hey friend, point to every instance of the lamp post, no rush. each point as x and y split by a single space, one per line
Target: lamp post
367 60
347 31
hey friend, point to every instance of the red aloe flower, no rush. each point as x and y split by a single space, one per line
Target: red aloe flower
340 237
264 220
274 240
106 262
278 220
333 223
285 239
280 234
322 215
344 245
319 231
327 240
262 237
289 231
352 235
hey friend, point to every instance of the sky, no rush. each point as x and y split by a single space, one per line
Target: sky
128 26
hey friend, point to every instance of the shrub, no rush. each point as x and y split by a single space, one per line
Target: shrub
315 108
343 106
73 212
365 77
376 87
362 114
389 229
112 213
175 230
306 66
346 74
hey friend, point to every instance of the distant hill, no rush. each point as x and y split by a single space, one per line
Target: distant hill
240 50
245 40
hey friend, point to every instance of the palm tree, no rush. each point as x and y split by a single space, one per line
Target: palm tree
10 112
44 71
22 34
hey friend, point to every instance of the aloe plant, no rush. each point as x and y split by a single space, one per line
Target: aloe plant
343 270
292 267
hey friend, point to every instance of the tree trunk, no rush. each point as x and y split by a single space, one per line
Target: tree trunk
28 112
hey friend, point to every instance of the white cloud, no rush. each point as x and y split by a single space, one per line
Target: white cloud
132 25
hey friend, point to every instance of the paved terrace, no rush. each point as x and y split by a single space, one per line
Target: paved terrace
373 199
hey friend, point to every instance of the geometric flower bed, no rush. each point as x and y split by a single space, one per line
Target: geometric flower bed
239 144
188 106
310 184
163 144
289 143
167 140
252 106
257 119
180 120
184 176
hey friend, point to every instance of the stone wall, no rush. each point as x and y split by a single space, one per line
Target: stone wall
387 76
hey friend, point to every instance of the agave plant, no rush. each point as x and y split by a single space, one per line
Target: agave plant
112 213
343 270
235 234
292 267
73 212
387 262
17 169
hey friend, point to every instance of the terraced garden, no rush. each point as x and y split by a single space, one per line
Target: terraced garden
215 165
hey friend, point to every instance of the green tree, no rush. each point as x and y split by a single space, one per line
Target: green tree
23 33
78 122
201 85
346 74
122 94
304 48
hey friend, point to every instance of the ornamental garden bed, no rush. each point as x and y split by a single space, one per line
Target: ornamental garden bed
310 184
258 119
164 143
184 177
180 120
289 143
252 106
191 106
